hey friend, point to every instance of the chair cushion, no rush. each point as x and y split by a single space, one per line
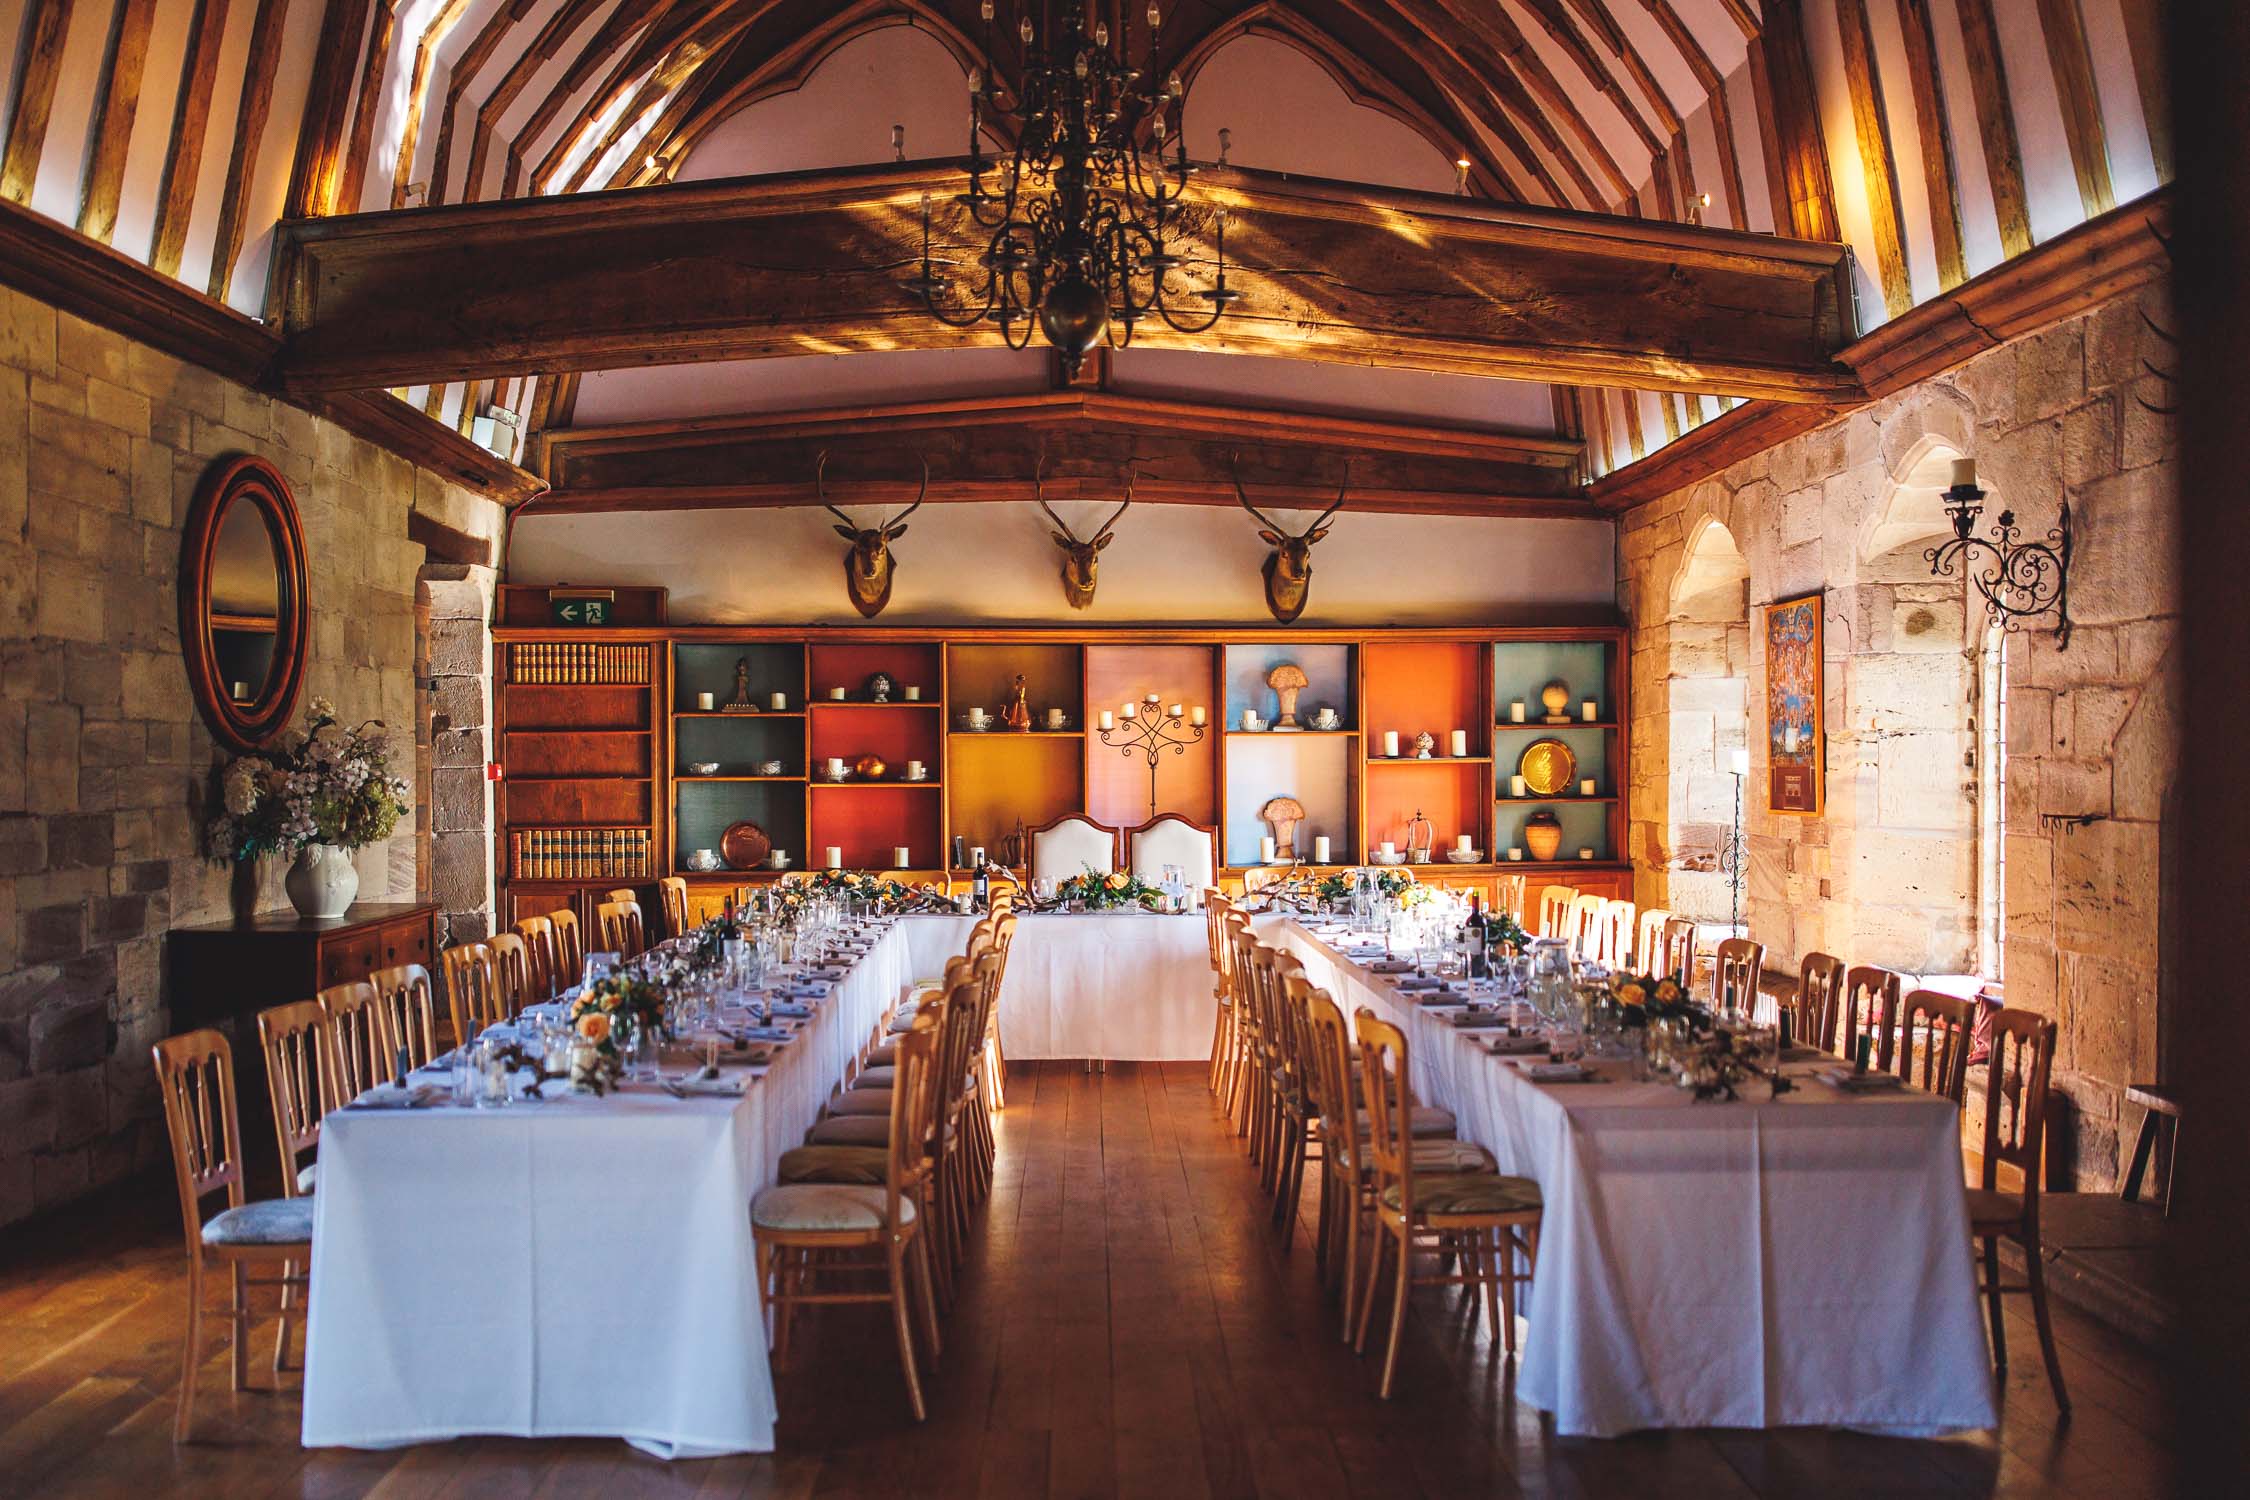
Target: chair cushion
876 1078
884 1056
1437 1155
862 1164
1427 1121
1989 1210
1470 1193
851 1130
272 1221
817 1206
308 1177
861 1102
902 1023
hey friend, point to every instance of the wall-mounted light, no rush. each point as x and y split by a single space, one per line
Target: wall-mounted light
2019 580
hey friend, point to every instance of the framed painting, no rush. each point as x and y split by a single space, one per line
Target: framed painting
1793 737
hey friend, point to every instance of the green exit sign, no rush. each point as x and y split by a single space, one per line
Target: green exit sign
580 611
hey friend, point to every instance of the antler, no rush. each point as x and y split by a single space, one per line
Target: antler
1338 504
1244 495
1341 491
919 496
1132 477
820 488
1039 486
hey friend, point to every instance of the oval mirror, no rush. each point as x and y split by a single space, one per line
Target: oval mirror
243 622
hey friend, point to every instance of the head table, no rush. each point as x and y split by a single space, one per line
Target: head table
585 1266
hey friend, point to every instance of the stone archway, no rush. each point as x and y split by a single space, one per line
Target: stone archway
1707 672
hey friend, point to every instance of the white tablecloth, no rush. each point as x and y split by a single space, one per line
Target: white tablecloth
583 1267
1799 1261
1132 986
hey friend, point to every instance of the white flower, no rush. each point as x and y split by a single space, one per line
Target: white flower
320 708
240 788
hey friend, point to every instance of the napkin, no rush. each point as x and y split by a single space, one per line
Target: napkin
811 989
1478 1020
765 1033
421 1096
1390 966
1870 1082
1517 1046
1554 1072
791 1008
708 1087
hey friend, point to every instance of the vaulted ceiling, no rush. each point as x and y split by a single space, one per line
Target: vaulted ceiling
1935 137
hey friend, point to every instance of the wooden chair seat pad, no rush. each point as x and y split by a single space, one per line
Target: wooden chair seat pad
1469 1193
271 1221
883 1056
1992 1212
1428 1120
869 1101
818 1207
851 1130
865 1165
876 1078
1436 1154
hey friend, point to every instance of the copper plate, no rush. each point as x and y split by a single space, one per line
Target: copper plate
1547 767
744 846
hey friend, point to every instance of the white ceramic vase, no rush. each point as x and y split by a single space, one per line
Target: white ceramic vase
322 881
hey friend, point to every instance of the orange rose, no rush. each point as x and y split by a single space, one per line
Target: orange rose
594 1027
1118 881
1632 994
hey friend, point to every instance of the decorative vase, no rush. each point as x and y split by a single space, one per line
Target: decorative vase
1542 835
322 881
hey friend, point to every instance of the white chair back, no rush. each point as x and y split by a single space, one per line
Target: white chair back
1172 840
1071 846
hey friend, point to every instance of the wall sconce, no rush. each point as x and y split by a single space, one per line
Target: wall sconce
2019 580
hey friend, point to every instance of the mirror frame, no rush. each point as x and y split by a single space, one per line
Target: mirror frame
244 480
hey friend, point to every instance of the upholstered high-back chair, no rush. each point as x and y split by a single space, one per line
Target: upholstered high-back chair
1169 839
1072 845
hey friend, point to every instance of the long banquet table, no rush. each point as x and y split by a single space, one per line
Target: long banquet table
579 1267
1802 1260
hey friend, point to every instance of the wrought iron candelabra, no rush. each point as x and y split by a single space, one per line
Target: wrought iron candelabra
1150 733
2018 580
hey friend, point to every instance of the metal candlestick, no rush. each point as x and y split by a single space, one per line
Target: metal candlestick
1150 734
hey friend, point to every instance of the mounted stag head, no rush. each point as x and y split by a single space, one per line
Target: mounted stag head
1082 561
867 567
1288 569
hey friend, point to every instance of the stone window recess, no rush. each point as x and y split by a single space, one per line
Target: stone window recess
455 664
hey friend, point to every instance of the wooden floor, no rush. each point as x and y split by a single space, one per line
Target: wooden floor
1131 1326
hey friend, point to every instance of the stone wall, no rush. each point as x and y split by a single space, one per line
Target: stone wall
104 763
1889 873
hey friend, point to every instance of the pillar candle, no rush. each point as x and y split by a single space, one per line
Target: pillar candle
914 692
1196 716
1109 720
1514 852
836 694
1390 743
902 857
1249 718
1965 471
1740 761
1458 742
1585 854
1586 787
1515 712
1178 711
1320 848
1515 786
833 857
976 856
1589 710
1129 711
780 701
706 701
1389 848
1466 843
1266 849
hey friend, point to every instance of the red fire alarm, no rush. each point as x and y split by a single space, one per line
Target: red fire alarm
492 770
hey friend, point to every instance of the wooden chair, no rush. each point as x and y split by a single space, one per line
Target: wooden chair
511 971
1296 1114
570 948
409 1019
1507 897
195 1074
623 893
1484 1218
992 1065
1648 940
1614 933
671 893
1679 950
1813 1009
299 1085
472 991
619 923
2160 1126
806 1227
357 1043
1223 1034
2015 1128
1935 1034
1583 926
1870 1009
542 963
1554 910
1734 978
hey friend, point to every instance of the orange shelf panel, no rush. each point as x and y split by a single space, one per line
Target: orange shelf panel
1116 783
998 779
1437 686
981 676
1451 794
853 730
869 822
848 665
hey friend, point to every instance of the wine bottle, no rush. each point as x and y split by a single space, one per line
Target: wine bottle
1478 934
981 886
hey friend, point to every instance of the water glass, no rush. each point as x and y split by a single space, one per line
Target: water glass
492 1076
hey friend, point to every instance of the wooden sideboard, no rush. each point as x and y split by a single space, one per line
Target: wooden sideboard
223 970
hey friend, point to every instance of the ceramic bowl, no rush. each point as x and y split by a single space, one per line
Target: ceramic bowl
703 767
1465 856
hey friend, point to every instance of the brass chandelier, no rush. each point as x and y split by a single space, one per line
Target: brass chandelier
1084 218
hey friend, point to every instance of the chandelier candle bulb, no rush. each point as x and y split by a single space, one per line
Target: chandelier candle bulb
1458 742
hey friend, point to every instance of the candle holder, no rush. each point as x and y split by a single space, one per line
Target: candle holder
1150 733
2018 579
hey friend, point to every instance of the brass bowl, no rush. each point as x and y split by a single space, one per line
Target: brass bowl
1548 767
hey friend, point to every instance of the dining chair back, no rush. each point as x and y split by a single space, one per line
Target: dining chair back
1734 978
671 891
1648 940
620 925
357 1044
403 996
623 893
1870 1010
1585 925
570 948
1678 951
2017 1072
472 991
1507 897
195 1078
541 965
1215 907
1554 910
1071 845
1614 933
294 1038
1813 1009
511 971
1935 1032
1169 839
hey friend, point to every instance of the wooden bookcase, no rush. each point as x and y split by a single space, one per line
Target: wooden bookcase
583 757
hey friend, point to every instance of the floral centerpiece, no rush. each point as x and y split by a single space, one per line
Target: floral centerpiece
601 1010
1338 886
1096 891
860 885
1651 999
318 793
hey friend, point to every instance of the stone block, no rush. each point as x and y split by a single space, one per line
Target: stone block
1936 627
2073 788
2125 563
1903 692
59 1176
460 800
459 648
1924 783
27 333
80 841
69 1031
51 757
27 1116
2050 371
72 599
458 702
81 1107
460 871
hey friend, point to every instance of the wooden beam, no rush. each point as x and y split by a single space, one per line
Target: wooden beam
2144 37
810 262
1796 125
426 48
113 125
45 32
1918 25
1746 431
1996 123
249 130
316 176
361 144
183 154
1871 126
2065 32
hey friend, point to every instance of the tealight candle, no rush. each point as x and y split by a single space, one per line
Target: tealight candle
1515 786
1197 717
833 857
1266 849
1109 720
1514 852
1586 787
706 701
1585 854
780 701
915 771
913 692
1390 743
1515 712
835 768
1320 848
1054 718
901 857
1589 711
1458 742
